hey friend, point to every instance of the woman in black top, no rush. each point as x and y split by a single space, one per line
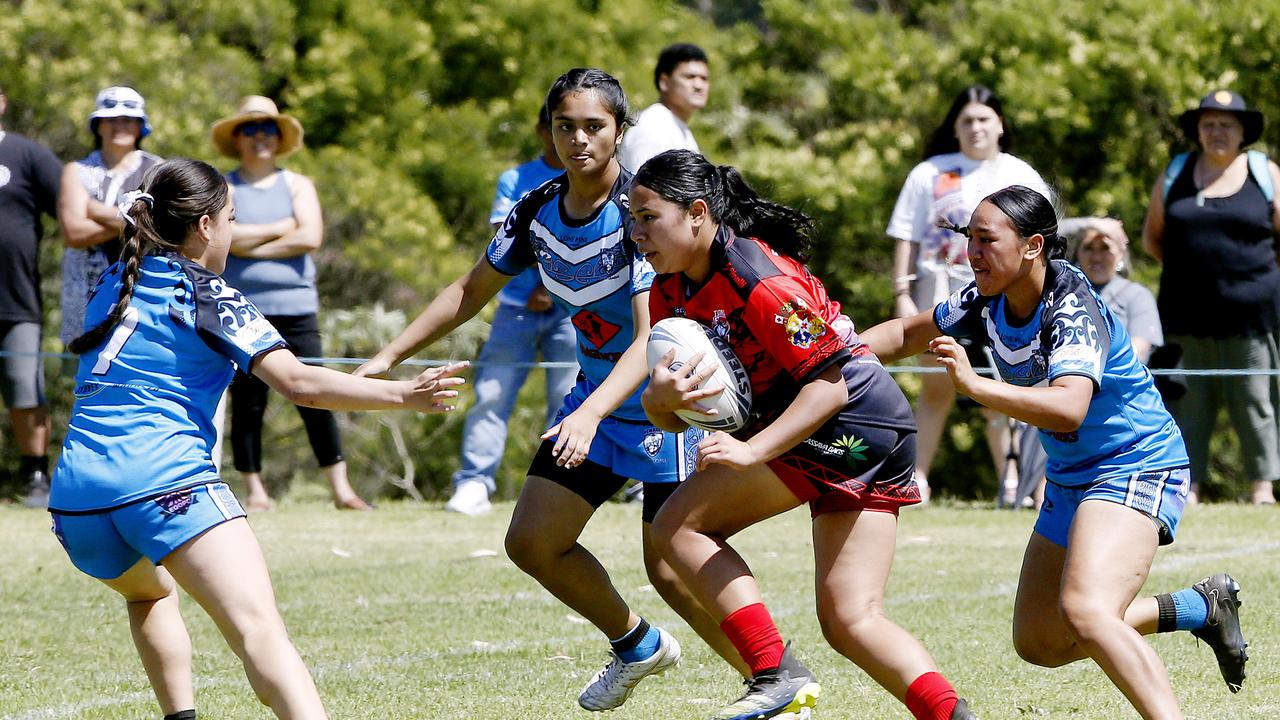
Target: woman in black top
1212 224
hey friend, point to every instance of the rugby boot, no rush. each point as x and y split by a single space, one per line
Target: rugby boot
788 688
961 711
1222 629
613 685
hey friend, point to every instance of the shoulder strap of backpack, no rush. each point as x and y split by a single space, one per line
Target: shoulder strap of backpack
1172 172
1260 169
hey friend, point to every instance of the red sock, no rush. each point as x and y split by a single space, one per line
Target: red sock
931 697
752 632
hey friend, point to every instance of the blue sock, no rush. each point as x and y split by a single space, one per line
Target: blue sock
1192 610
638 644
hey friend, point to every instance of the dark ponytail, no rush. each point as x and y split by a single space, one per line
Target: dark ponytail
682 176
175 196
1031 213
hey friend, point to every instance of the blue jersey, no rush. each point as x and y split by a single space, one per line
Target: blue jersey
142 424
591 269
513 185
1072 332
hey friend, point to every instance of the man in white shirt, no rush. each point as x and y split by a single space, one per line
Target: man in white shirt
683 82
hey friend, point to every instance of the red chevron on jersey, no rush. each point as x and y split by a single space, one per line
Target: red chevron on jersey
595 328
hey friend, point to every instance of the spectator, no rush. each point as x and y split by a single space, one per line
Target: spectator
683 82
526 322
278 225
1212 222
966 159
91 187
1102 252
28 188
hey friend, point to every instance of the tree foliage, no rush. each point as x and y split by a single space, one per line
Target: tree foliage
412 109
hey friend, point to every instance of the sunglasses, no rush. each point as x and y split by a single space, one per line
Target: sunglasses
266 127
108 103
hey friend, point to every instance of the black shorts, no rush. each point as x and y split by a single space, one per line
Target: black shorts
596 483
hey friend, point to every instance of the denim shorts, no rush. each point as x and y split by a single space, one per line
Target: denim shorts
1159 494
105 544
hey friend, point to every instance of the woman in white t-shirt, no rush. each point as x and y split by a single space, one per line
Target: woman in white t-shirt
965 160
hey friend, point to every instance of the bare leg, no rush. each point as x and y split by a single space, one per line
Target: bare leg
998 442
676 595
224 571
853 554
542 540
692 528
1080 602
344 497
31 430
937 396
258 500
159 633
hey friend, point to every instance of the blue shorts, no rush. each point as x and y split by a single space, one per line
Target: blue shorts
106 544
1158 494
638 450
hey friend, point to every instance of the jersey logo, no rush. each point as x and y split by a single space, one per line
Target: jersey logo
802 326
176 503
652 442
595 328
720 324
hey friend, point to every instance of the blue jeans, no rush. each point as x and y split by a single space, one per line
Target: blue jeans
516 338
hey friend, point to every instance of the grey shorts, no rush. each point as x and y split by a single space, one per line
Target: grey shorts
22 382
1252 402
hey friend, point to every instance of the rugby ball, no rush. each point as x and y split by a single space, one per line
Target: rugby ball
688 338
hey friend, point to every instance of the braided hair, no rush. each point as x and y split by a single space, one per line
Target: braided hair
176 194
682 176
1030 213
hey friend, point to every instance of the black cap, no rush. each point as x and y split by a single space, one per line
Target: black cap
1226 101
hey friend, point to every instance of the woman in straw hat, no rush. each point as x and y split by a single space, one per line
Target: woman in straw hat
1212 223
278 225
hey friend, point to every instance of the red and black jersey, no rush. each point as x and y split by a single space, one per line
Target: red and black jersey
771 310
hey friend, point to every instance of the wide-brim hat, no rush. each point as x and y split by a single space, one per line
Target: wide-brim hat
1226 101
120 101
251 108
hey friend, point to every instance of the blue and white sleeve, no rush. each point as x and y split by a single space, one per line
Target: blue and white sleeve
1079 341
510 250
231 324
961 314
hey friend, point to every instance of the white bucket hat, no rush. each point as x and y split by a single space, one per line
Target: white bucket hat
120 101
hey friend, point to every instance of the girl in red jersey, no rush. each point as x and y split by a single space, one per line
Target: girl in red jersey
829 427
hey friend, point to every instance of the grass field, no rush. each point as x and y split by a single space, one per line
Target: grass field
411 612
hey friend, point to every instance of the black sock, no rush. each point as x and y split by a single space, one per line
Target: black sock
632 638
181 715
1168 621
31 463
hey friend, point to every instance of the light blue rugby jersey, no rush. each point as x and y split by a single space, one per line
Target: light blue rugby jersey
142 424
590 267
513 185
1072 332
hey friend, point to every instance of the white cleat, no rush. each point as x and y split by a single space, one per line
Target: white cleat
613 685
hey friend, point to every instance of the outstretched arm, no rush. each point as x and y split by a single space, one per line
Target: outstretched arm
313 386
901 337
456 304
1061 407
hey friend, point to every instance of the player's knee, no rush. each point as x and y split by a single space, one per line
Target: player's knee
527 548
1085 619
845 619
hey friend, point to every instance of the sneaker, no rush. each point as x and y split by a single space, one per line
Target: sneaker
613 685
961 711
37 490
1222 629
803 713
789 688
470 497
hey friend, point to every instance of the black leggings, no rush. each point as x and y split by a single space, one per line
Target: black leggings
249 402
